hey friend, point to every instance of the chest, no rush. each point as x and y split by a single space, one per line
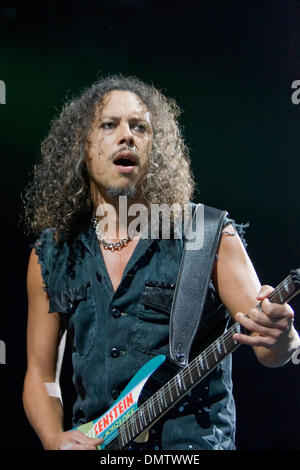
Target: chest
116 261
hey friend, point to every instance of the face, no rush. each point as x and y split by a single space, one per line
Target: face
119 144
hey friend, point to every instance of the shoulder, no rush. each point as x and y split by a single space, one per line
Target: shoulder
42 254
45 240
234 276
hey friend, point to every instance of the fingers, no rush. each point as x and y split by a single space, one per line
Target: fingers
259 335
276 311
75 446
76 440
67 446
275 317
259 325
268 342
273 310
265 324
89 440
264 292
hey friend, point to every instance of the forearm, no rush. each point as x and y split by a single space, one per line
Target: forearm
44 412
282 353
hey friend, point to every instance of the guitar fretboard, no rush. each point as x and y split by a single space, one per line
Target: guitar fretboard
190 376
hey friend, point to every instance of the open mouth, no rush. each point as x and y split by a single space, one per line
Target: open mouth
125 159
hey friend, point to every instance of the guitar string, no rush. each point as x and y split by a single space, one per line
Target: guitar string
281 286
123 428
126 428
171 384
211 350
155 399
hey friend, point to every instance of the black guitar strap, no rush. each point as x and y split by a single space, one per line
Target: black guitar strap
193 279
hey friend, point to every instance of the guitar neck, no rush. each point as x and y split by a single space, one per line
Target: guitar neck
172 392
166 397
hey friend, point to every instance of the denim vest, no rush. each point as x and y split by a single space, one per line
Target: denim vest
115 333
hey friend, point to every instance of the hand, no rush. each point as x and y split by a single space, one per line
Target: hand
268 328
73 440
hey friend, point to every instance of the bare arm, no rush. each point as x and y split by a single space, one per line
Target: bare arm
45 412
273 337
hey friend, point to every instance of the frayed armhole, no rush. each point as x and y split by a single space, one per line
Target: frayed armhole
40 246
238 229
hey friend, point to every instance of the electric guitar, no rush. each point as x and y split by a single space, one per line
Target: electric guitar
144 401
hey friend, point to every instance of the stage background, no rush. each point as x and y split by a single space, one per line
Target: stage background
230 67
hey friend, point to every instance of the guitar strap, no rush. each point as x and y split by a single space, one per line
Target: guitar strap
193 279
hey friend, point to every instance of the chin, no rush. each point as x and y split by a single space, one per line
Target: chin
115 192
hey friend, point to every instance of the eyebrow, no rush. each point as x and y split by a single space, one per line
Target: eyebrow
134 118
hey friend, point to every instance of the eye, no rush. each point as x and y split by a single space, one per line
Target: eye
108 125
140 127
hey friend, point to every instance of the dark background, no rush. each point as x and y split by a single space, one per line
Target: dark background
230 66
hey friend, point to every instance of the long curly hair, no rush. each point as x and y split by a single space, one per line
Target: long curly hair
58 195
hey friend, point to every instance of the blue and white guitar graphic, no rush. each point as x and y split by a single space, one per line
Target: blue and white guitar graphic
145 400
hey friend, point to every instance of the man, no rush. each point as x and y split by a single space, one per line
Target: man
121 138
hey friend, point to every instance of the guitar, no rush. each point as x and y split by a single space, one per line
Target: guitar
142 403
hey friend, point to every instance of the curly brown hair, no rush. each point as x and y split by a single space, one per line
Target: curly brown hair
59 194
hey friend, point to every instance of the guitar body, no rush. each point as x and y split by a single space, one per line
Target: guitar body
142 386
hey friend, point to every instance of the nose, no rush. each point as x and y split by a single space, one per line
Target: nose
126 136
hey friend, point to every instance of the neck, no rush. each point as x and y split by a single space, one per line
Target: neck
112 216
